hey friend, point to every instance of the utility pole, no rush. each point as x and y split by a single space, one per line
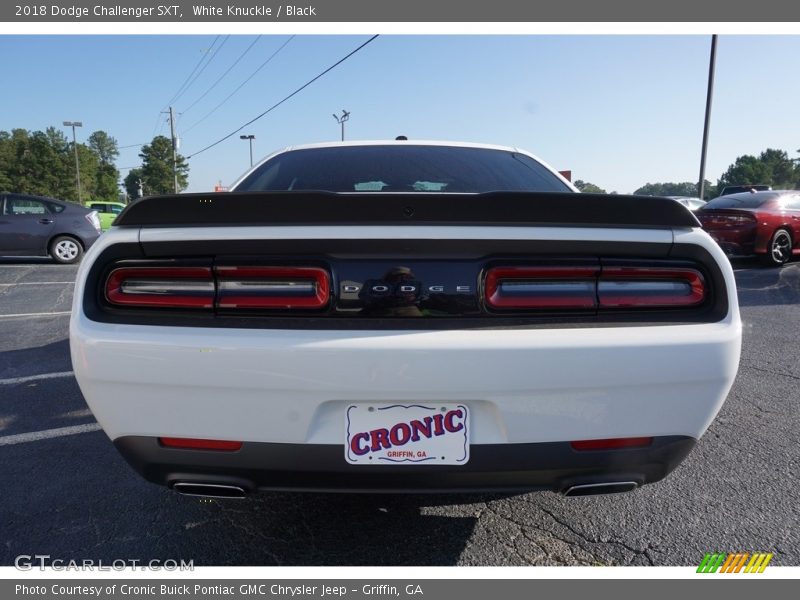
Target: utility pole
709 96
75 124
345 116
250 137
174 148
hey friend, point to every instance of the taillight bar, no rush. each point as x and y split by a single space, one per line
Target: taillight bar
164 287
222 287
272 287
593 287
650 287
544 287
714 219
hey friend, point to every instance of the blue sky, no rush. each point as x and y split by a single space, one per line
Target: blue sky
620 111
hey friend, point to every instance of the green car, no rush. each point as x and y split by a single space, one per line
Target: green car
107 211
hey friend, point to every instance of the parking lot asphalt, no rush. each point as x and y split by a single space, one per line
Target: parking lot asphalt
68 494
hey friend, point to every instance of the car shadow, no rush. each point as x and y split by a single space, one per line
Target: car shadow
48 358
761 286
90 504
27 260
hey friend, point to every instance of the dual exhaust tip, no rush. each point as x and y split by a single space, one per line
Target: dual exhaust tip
209 490
598 489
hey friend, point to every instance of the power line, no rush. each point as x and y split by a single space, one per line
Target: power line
188 77
207 54
294 93
212 54
241 85
221 77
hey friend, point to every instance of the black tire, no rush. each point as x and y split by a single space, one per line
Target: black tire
66 250
779 249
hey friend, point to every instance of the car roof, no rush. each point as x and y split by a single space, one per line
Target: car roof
336 144
401 143
764 195
43 198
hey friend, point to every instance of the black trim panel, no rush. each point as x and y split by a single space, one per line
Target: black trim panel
310 467
327 208
313 252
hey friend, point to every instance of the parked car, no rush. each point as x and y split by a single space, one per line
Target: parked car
37 226
689 202
107 211
467 322
738 189
765 224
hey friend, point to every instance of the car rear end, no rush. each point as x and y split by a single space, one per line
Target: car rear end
408 342
735 230
79 222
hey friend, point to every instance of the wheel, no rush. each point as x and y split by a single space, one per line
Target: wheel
779 249
65 250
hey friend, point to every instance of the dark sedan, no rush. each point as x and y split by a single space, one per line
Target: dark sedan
766 224
36 226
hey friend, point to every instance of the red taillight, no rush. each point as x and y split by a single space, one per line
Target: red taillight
225 287
650 287
722 220
164 287
542 287
612 444
199 444
272 287
592 287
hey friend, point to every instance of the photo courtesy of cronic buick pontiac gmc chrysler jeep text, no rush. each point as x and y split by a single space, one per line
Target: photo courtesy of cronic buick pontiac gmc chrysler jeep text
404 316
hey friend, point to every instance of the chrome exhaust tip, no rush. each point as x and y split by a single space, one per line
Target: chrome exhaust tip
597 489
209 490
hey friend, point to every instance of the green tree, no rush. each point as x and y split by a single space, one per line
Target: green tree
772 167
43 163
5 161
588 188
105 148
157 167
685 188
131 183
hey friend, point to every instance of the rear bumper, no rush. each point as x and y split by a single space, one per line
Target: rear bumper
492 467
293 387
736 243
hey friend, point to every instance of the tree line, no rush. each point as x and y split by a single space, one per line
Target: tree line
771 167
42 163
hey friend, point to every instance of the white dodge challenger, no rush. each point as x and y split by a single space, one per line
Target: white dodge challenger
404 316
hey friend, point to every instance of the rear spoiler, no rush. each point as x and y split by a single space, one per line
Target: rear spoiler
326 208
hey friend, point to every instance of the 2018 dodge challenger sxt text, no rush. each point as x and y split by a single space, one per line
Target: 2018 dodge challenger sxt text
401 316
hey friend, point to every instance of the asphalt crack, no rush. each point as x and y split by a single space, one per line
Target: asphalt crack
636 551
769 371
523 528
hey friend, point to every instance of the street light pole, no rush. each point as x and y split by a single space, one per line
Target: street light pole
249 137
174 148
75 124
709 96
345 116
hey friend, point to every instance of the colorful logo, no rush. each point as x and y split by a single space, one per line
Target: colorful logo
743 562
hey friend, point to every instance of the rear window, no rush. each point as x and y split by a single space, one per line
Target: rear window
747 201
402 169
17 205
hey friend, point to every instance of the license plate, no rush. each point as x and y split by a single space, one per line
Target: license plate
407 434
